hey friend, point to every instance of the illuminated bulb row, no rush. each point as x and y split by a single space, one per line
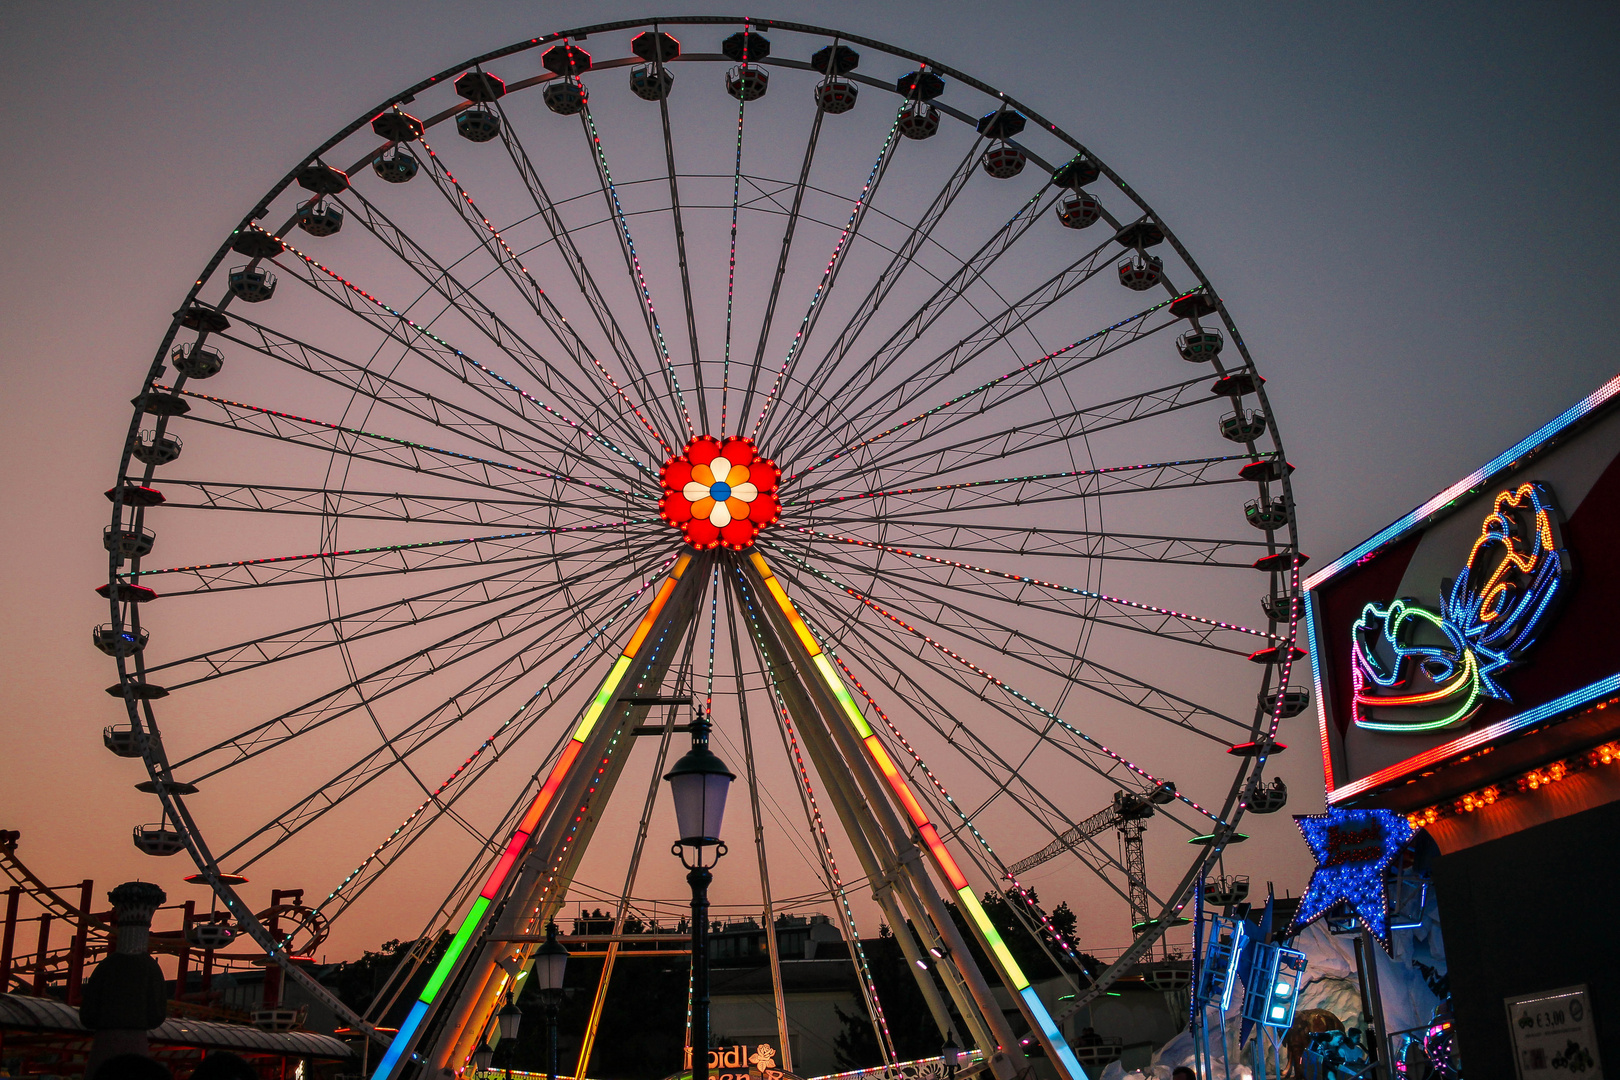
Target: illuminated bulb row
641 278
832 263
1534 780
982 387
431 336
512 256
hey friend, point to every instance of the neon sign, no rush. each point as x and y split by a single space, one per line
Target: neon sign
1434 670
1354 850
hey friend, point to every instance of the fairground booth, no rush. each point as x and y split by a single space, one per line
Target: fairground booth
1468 673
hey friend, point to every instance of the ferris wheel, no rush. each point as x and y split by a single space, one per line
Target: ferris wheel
680 372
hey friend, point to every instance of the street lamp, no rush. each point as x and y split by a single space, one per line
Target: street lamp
507 1021
952 1055
550 961
482 1058
698 783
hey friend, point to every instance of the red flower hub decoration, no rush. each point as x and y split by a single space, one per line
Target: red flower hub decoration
720 494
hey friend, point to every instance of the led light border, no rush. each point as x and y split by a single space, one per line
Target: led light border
1487 472
1572 700
520 836
943 860
1475 479
1532 780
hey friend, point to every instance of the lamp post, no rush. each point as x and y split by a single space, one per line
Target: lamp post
698 783
482 1057
952 1055
508 1020
550 961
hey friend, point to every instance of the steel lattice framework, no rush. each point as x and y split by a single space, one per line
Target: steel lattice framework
426 594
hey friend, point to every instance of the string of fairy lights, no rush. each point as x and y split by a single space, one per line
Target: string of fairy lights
438 168
824 286
600 156
567 766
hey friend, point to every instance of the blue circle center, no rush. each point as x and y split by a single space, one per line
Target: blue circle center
720 492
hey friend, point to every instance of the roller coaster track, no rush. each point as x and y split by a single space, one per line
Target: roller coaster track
98 927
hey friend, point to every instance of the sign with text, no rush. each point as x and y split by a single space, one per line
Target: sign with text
1553 1035
742 1062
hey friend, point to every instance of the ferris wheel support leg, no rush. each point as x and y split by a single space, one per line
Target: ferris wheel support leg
472 986
843 758
914 957
866 755
871 851
890 886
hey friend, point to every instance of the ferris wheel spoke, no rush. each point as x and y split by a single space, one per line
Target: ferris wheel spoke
467 302
1003 493
413 737
393 506
393 451
829 276
899 263
1027 377
429 346
680 243
632 263
775 294
914 465
458 647
995 329
908 594
1086 674
987 396
419 404
606 319
465 777
967 537
999 329
875 367
325 633
382 560
731 266
946 720
936 576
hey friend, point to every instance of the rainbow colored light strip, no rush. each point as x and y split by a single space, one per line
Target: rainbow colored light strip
1467 484
943 860
497 880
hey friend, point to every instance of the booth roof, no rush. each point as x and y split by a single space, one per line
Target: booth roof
20 1012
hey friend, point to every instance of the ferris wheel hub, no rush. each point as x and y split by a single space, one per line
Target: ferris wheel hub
720 493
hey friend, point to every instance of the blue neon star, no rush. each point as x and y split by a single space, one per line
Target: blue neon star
1353 850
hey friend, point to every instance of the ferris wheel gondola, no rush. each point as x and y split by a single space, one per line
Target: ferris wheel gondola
905 468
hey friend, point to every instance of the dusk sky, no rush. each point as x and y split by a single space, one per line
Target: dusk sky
1404 207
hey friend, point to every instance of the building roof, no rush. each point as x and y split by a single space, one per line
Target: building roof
20 1012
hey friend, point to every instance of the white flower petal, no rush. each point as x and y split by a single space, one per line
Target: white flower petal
720 516
745 492
721 468
695 491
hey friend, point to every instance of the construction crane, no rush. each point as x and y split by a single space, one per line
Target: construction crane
1129 814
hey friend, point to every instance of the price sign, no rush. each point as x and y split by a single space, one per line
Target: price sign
1553 1036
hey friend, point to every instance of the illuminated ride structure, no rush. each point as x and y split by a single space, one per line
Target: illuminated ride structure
803 385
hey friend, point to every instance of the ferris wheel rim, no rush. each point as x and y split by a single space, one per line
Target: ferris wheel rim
142 710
